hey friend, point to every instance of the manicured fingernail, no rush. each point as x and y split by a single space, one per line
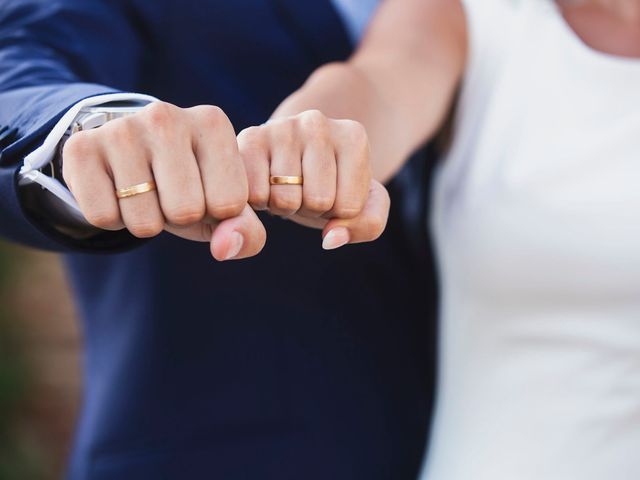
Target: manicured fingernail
235 245
336 238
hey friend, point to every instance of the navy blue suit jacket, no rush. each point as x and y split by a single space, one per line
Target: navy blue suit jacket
297 364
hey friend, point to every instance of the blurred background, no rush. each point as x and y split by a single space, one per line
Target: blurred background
40 366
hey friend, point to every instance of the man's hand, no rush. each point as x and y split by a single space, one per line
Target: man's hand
192 155
338 195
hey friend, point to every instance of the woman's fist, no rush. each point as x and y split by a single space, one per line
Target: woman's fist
338 193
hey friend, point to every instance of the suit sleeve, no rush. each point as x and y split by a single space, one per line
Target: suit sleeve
54 53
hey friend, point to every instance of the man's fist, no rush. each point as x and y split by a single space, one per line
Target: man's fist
191 154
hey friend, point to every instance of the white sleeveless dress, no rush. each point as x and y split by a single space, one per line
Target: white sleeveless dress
537 226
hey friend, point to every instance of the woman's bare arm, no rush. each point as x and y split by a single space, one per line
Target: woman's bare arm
400 82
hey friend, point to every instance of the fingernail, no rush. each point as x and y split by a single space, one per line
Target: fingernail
336 238
235 245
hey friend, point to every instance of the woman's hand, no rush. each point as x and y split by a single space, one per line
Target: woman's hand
191 154
338 194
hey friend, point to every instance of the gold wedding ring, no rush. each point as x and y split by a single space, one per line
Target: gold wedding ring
285 180
136 189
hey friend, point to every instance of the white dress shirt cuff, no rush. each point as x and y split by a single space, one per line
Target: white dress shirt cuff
30 171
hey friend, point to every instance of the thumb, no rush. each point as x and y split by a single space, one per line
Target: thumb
366 227
239 237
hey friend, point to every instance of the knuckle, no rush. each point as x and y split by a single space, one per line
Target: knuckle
211 116
185 214
284 202
316 129
251 141
79 146
104 219
159 114
348 209
313 120
355 132
145 228
222 211
259 198
130 127
251 134
318 203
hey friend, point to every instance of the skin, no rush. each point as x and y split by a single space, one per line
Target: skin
609 26
401 81
207 178
399 84
397 90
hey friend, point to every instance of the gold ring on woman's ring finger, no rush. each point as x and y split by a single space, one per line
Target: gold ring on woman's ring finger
285 180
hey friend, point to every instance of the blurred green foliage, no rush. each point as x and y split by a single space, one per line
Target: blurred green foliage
18 457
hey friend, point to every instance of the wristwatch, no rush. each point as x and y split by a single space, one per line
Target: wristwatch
48 207
87 119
